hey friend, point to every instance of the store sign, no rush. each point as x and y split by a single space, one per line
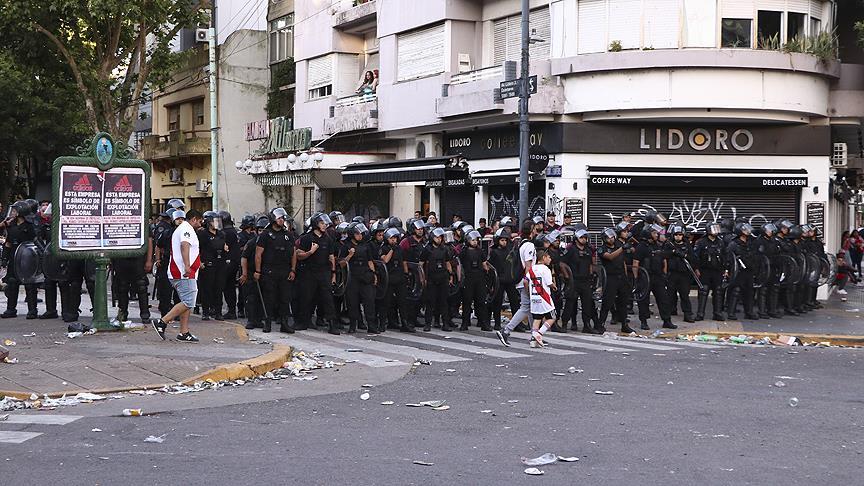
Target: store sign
575 208
695 181
503 142
816 216
283 138
554 171
101 210
698 139
257 130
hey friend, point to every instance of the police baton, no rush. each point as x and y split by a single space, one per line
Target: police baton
261 297
693 274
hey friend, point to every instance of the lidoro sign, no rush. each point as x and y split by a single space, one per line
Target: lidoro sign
699 139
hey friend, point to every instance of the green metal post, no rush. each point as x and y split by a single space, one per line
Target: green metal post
100 299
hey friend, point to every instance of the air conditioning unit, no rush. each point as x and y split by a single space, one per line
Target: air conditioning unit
465 62
201 34
175 175
202 185
839 155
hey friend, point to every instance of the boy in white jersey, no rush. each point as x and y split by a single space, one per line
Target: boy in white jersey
542 306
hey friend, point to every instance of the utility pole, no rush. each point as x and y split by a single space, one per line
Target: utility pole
214 118
524 131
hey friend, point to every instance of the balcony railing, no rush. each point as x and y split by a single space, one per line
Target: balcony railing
358 112
176 144
354 12
357 99
477 75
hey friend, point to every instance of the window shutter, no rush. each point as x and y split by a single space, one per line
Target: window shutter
799 6
540 22
700 23
661 24
507 37
499 41
625 17
737 9
420 53
816 9
348 77
591 26
320 72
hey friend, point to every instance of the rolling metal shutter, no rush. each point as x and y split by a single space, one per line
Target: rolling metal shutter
700 23
692 206
507 37
420 53
591 26
661 24
458 201
625 17
320 72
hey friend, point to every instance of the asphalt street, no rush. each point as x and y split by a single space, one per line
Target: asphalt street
687 414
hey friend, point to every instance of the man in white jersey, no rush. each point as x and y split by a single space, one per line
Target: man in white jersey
527 255
183 273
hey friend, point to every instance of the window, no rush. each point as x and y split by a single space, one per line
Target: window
591 26
795 26
661 25
282 38
199 112
700 23
815 26
768 29
735 32
420 53
308 202
507 37
319 80
173 118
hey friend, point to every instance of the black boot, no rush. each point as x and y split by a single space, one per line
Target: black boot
372 327
334 327
717 307
268 324
352 327
286 327
689 318
732 304
644 326
625 329
773 297
701 305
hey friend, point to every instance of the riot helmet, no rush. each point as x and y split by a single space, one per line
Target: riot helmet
277 213
336 217
507 221
392 233
743 229
472 236
212 220
458 224
465 229
418 224
608 234
176 204
622 227
438 233
580 226
537 219
319 218
356 228
227 221
449 237
784 225
581 234
178 214
262 222
714 229
769 230
248 221
795 232
552 236
342 228
394 222
21 208
358 219
806 228
503 233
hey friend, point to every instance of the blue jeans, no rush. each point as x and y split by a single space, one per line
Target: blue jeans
187 290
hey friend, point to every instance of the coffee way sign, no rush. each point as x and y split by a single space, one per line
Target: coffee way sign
698 139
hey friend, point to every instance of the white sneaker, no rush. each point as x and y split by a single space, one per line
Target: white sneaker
842 292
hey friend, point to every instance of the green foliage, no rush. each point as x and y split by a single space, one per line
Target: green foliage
822 45
770 43
280 101
112 49
615 46
859 30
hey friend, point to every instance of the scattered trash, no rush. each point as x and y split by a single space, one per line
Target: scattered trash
600 392
559 374
9 360
422 362
364 396
617 374
485 411
388 402
793 402
305 378
657 333
568 459
659 354
96 430
9 342
218 340
670 383
740 339
4 353
367 385
573 369
611 335
3 418
441 408
424 463
500 366
593 379
154 439
433 403
413 405
132 412
133 326
512 401
353 350
73 335
779 384
706 338
77 327
853 310
32 334
788 341
450 370
533 471
543 460
523 376
783 377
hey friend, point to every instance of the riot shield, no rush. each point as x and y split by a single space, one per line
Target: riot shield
641 284
814 270
784 269
52 267
383 279
342 276
800 268
492 284
827 270
416 282
28 263
762 274
598 283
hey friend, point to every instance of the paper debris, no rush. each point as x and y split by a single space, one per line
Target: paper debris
154 439
543 460
600 392
424 463
533 471
388 402
364 396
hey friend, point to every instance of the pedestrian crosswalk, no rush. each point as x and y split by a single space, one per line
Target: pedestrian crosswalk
21 436
395 348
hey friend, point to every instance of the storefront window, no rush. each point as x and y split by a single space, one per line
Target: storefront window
369 202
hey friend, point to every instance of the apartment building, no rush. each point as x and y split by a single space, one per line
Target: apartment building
701 109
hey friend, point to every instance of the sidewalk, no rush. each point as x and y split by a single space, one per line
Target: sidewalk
51 363
839 322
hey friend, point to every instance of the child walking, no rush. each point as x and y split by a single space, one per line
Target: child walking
542 307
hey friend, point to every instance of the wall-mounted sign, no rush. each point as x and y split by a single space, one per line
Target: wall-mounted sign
779 182
101 210
816 216
698 139
554 171
257 130
575 207
283 138
501 142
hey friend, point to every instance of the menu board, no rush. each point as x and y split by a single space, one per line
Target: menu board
575 207
816 216
101 210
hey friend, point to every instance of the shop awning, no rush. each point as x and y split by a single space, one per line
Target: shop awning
411 170
682 177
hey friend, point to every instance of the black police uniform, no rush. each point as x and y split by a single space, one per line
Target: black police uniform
252 303
232 267
503 260
314 277
741 286
275 270
454 296
51 286
437 285
360 289
579 260
710 261
164 291
130 277
474 288
679 276
816 247
391 309
628 260
242 239
787 287
70 289
651 256
615 293
16 234
213 268
413 251
767 295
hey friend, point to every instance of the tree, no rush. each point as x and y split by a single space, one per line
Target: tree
115 50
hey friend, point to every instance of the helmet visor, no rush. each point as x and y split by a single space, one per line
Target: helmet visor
326 219
216 223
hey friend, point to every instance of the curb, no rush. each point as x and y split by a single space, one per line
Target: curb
232 371
834 339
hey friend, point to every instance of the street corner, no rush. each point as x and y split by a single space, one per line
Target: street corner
246 369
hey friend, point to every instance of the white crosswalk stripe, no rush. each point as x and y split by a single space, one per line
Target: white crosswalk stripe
414 353
444 343
18 437
371 360
623 341
494 341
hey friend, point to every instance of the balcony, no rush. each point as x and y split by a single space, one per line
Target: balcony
354 13
176 144
472 92
359 112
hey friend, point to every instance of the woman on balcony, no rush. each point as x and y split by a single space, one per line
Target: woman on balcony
369 84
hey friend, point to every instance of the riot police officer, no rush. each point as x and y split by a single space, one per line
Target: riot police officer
253 305
680 255
740 255
316 262
413 251
391 312
359 256
622 229
439 275
276 269
247 232
611 256
768 248
232 266
651 255
214 254
710 266
501 257
18 230
816 247
579 260
130 276
474 288
788 248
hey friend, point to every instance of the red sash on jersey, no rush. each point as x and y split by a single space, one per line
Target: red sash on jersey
538 287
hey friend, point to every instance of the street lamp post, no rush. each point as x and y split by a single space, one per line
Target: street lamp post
524 132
